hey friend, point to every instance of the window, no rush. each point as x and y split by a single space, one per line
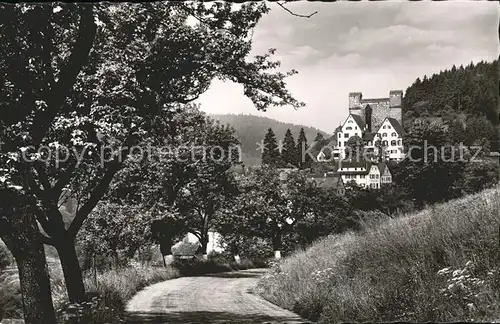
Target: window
372 176
346 135
340 143
388 126
384 135
394 134
348 128
399 142
383 127
373 185
355 127
376 176
393 143
384 143
361 176
349 121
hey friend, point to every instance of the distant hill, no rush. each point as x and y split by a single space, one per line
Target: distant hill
251 129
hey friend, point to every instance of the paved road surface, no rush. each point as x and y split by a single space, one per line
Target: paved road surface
218 298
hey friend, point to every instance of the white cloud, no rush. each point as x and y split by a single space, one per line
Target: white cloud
367 47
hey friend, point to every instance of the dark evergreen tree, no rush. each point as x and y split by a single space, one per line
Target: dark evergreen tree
304 159
289 152
460 92
270 153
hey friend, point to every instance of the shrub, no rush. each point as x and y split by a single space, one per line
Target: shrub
440 264
5 257
10 296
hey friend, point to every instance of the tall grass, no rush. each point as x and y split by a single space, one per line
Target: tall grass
441 264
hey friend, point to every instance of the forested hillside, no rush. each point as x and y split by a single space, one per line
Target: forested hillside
251 129
465 96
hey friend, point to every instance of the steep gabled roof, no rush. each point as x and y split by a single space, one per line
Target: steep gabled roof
359 121
352 163
396 125
381 167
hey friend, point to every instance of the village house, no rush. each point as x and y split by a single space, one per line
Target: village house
365 174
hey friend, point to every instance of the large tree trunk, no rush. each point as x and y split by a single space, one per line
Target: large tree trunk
35 286
24 241
166 244
204 245
72 271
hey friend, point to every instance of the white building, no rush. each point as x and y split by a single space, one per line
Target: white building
365 174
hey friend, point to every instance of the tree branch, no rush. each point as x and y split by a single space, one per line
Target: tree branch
294 14
67 77
100 190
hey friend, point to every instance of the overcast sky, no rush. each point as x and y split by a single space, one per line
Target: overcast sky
361 47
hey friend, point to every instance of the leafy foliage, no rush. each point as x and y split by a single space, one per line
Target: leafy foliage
463 94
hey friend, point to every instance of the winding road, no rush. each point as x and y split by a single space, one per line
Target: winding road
216 298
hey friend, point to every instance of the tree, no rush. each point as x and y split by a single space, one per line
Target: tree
289 153
354 147
430 158
271 153
116 231
190 185
302 153
98 79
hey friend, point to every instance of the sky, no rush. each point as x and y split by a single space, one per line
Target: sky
368 47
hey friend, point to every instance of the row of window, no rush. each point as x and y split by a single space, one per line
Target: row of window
394 134
384 143
386 179
374 176
354 176
355 169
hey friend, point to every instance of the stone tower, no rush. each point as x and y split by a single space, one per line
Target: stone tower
396 105
355 106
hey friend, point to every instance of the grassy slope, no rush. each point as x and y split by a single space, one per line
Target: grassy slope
390 271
